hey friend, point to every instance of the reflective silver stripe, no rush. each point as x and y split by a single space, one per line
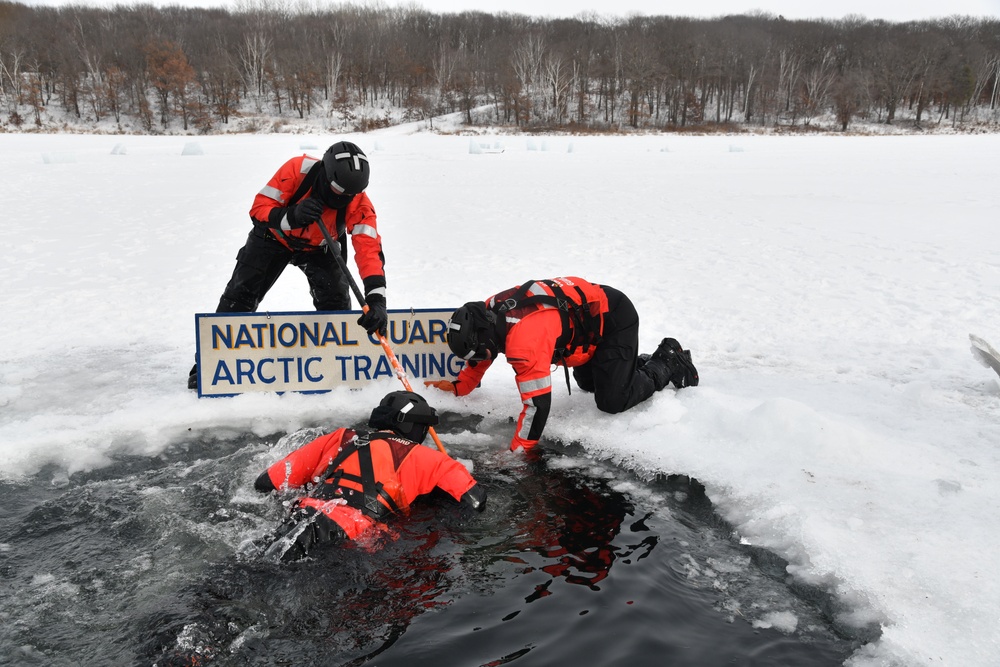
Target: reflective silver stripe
529 386
457 327
287 226
347 156
307 164
536 289
406 408
377 290
529 417
513 320
357 158
272 193
367 230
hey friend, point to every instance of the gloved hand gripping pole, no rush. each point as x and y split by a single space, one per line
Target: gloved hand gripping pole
400 373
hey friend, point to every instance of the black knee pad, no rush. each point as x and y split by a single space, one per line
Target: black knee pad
331 301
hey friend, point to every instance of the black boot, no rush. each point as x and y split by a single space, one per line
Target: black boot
302 531
193 377
657 371
678 363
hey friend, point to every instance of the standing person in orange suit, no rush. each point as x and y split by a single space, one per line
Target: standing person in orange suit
302 194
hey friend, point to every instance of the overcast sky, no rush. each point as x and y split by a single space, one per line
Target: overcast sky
891 10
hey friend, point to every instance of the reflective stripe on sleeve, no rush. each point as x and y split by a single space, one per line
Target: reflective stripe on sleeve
272 193
367 230
307 164
377 290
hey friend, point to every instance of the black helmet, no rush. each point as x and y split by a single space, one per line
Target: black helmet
406 413
472 331
346 168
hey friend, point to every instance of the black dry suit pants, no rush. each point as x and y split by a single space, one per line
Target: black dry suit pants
261 261
612 374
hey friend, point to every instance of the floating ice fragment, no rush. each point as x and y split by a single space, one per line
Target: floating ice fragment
785 621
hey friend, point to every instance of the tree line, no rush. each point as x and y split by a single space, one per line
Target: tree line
357 67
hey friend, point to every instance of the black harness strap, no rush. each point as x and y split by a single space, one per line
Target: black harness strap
368 500
585 326
294 242
373 490
311 176
342 231
346 449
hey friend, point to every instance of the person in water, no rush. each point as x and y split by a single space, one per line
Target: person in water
357 480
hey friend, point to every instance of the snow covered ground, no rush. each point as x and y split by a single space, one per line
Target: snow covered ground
825 285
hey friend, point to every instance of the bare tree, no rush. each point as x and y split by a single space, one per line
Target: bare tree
527 66
817 83
269 57
255 53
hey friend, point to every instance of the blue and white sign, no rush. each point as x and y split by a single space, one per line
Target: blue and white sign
315 351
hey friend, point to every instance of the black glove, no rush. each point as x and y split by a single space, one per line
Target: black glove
263 483
475 498
304 213
335 248
375 318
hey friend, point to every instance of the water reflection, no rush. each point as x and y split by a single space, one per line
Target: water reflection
571 524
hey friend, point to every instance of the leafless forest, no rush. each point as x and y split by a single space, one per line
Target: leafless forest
142 69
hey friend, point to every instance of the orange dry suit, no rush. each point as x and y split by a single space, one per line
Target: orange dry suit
363 479
293 183
541 323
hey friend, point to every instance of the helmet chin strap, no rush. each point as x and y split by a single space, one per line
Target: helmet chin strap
333 200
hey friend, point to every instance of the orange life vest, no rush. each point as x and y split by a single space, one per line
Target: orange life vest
581 306
364 474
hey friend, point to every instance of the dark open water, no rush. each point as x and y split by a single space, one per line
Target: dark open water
155 561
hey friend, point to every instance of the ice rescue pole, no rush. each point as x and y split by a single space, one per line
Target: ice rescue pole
400 373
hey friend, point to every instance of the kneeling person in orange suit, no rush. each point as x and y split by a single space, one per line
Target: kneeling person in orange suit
362 479
593 329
